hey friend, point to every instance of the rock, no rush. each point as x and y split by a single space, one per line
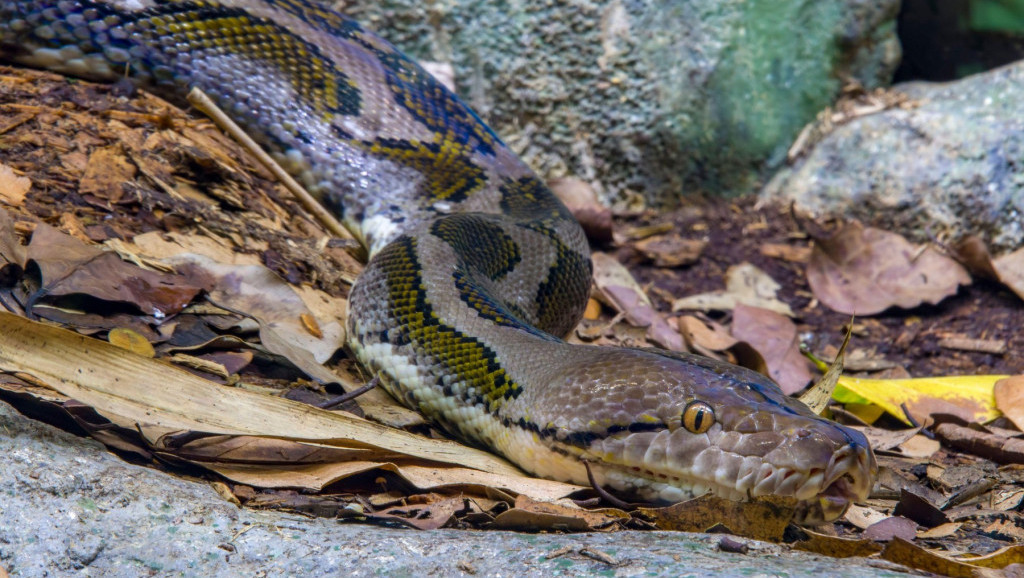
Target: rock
69 507
948 167
647 100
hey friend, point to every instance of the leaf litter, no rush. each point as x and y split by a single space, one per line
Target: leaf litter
357 469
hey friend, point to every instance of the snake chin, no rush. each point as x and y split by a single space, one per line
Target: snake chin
847 479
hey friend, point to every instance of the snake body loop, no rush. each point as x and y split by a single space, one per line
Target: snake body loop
475 267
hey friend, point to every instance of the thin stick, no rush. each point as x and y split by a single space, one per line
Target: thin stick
201 101
336 401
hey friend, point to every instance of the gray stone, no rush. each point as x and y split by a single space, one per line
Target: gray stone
70 508
647 99
951 166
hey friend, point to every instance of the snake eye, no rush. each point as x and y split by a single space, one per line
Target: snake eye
698 417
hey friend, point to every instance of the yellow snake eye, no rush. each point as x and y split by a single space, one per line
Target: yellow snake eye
698 417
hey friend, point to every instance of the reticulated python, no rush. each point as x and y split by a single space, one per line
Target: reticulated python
475 267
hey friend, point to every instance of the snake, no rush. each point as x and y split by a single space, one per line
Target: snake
476 270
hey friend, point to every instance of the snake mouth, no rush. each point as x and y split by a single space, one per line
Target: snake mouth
822 493
847 479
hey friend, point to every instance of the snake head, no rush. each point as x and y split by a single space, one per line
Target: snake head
669 427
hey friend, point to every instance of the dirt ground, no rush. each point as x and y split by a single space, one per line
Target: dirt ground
737 231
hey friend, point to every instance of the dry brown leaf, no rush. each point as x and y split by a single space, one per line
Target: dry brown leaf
1009 394
891 528
940 531
70 267
533 515
919 447
706 335
886 439
836 547
775 337
12 187
13 254
1008 269
762 519
744 283
903 552
920 509
1011 271
429 516
865 271
581 200
316 476
161 245
863 517
1008 499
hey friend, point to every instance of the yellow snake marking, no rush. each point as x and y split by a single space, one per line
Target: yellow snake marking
479 375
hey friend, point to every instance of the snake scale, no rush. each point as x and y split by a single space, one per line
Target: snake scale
475 269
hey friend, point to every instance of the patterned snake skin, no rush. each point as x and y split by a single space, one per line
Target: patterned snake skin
475 267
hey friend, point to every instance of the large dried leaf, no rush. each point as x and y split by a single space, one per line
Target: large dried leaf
1008 269
119 385
969 397
764 518
70 267
903 552
836 547
865 271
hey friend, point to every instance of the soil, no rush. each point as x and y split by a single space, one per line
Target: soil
736 231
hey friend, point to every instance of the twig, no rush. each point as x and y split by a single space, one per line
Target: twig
336 401
201 101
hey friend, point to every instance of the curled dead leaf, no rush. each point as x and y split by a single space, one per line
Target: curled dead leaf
865 271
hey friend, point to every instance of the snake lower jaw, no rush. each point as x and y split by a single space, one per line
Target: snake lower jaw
822 494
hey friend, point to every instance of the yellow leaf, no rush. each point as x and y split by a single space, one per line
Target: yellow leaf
967 396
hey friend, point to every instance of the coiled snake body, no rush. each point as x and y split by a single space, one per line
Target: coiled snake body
475 267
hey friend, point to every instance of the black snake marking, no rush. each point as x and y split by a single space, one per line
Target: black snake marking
475 268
